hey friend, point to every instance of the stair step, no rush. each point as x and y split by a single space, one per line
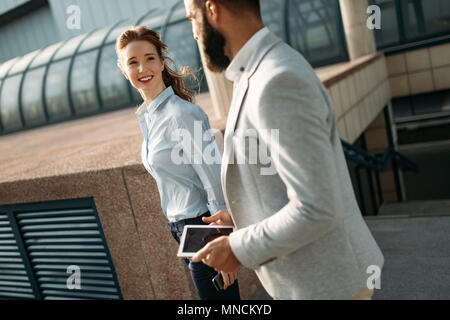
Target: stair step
426 208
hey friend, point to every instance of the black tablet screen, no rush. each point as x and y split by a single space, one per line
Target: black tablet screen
197 238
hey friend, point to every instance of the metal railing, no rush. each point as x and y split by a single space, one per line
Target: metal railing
375 163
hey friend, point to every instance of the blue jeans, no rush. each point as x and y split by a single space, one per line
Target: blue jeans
202 274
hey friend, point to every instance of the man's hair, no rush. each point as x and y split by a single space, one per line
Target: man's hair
234 5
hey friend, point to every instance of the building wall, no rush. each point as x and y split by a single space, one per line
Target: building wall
7 5
47 25
419 71
33 31
100 13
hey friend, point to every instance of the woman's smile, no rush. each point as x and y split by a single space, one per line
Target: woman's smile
145 79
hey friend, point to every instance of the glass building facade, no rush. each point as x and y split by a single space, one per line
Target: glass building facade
79 77
406 23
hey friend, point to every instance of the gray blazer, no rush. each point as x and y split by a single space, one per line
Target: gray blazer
300 228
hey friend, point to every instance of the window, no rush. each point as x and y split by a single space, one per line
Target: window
4 68
409 21
113 85
312 27
389 33
33 111
22 64
272 15
422 18
118 30
315 30
9 102
45 55
68 49
56 90
94 40
82 83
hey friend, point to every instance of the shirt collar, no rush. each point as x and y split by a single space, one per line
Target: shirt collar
163 96
240 62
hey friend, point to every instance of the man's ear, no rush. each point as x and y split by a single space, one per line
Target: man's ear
212 10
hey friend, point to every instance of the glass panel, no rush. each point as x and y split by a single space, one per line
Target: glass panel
9 102
118 30
113 86
45 55
271 12
56 90
184 51
388 34
155 19
94 40
424 18
6 66
33 111
22 64
313 29
179 13
69 47
83 83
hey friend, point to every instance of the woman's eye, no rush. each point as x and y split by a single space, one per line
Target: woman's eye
151 58
132 62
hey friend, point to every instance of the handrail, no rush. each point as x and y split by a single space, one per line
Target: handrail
378 163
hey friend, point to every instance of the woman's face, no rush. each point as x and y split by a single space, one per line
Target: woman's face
142 66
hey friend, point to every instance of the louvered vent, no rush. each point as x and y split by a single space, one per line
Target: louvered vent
58 238
14 281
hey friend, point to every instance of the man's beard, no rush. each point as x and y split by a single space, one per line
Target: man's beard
214 48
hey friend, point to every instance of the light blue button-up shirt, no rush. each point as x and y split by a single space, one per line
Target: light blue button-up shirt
190 188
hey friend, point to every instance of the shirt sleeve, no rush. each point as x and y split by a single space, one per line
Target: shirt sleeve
203 154
305 164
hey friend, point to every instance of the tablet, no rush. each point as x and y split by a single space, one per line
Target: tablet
195 237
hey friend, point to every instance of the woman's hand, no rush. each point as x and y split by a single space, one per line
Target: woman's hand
220 218
228 278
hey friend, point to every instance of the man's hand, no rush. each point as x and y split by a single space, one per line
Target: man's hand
220 218
218 255
228 278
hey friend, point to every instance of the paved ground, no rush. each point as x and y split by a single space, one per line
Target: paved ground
417 258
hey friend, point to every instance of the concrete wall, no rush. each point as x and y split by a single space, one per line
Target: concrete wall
360 91
99 157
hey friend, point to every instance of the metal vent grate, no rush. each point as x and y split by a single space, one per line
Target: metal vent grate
57 239
14 281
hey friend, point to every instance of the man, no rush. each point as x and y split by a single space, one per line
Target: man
299 227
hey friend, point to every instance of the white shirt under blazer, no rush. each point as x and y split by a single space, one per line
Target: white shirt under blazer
300 229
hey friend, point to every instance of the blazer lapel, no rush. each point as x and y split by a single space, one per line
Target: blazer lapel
266 44
233 115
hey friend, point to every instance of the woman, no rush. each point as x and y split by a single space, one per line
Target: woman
190 191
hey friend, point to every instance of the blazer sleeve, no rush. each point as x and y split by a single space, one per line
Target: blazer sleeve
204 156
303 159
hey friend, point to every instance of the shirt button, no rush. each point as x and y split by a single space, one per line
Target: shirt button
242 69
